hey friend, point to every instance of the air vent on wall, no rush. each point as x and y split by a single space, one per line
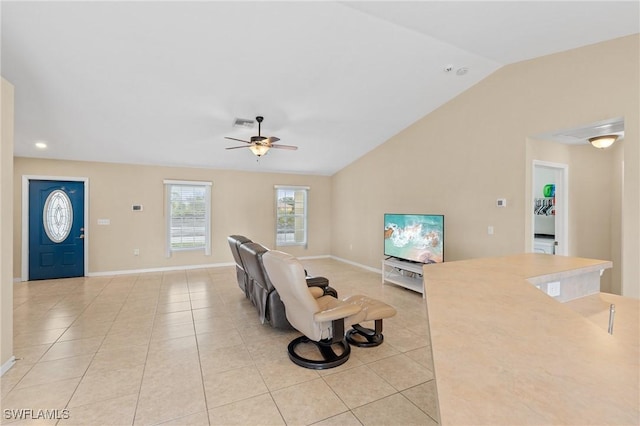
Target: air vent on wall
243 123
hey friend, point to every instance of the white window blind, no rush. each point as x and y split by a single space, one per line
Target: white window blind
188 207
291 215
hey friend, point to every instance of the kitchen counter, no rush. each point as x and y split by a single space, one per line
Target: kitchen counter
505 352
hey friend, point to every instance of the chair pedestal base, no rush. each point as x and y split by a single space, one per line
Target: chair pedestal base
371 337
329 357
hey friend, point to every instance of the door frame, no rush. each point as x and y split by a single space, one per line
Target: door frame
562 201
25 219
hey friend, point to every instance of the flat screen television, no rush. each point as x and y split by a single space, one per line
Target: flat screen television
414 237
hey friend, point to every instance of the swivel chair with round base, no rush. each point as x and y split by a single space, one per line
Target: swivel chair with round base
320 318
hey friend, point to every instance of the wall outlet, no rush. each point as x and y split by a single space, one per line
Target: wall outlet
490 230
136 252
553 288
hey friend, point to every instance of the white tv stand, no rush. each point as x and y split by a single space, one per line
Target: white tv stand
402 273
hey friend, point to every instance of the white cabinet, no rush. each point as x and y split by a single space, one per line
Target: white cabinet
544 245
404 274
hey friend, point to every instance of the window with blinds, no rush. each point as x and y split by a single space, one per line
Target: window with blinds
291 215
188 216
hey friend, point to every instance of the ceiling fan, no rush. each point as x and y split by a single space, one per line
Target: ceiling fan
260 145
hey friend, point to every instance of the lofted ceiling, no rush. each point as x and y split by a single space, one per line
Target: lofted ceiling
163 82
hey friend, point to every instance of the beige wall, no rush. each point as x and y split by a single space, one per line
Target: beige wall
616 216
459 159
6 224
242 203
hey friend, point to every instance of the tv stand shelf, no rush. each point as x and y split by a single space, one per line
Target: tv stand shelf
402 273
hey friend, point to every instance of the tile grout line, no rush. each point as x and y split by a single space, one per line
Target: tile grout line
146 358
195 335
98 349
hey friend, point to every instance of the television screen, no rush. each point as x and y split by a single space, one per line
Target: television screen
414 237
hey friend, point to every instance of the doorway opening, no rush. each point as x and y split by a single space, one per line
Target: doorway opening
549 223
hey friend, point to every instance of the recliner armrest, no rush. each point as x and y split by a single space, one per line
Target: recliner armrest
317 282
323 283
340 311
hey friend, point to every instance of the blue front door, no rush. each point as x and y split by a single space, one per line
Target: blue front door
56 229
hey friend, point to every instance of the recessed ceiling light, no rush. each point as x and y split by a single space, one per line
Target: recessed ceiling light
41 145
462 71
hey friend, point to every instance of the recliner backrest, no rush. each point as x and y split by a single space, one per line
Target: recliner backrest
288 277
251 255
235 241
260 286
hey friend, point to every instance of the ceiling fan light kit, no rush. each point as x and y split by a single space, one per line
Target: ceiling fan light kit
259 150
260 145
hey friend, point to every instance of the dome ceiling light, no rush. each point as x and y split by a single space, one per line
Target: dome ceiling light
604 141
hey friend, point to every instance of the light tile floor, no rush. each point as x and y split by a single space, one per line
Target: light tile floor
187 348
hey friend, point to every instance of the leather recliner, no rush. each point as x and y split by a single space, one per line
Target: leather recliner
322 318
263 294
319 317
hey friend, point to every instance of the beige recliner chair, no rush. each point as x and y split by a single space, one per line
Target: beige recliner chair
320 318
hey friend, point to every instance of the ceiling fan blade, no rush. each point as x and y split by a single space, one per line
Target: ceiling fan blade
236 147
291 147
239 140
271 139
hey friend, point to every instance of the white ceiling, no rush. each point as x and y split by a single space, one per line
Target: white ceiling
162 82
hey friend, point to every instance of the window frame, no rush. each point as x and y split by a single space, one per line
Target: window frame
168 185
304 215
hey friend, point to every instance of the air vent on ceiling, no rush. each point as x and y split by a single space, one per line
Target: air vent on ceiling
615 127
244 123
580 135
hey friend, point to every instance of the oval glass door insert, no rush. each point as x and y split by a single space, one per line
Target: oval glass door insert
57 216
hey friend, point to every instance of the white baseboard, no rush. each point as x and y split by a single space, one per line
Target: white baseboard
209 265
218 265
163 269
7 365
359 265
